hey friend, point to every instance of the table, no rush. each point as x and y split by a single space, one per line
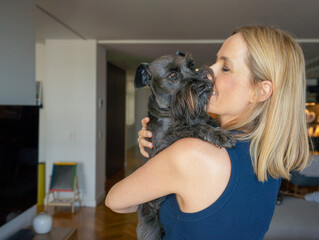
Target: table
58 233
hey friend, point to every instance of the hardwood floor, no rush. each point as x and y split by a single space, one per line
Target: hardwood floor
100 222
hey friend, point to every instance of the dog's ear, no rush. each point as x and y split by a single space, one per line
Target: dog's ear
142 76
189 62
180 53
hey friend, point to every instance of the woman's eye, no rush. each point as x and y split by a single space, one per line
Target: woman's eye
225 69
173 75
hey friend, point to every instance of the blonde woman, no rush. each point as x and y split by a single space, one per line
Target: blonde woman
217 193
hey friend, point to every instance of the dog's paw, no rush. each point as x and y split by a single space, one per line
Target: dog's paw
223 138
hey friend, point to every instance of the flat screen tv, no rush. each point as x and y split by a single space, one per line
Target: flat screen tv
19 135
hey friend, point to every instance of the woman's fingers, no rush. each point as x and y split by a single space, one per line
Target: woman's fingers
142 134
144 122
142 143
143 152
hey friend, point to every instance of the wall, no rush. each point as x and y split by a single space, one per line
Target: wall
69 110
17 73
131 121
17 66
100 123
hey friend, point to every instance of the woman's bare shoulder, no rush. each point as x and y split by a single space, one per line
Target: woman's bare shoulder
203 170
193 147
190 154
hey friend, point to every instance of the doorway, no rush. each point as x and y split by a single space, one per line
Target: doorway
115 123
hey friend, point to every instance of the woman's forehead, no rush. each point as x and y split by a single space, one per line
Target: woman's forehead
234 49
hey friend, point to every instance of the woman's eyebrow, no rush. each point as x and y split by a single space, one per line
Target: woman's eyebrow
226 59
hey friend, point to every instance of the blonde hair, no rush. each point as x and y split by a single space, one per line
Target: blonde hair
277 127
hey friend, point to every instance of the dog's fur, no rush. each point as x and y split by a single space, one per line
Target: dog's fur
176 107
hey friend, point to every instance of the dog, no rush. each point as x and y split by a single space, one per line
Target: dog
176 108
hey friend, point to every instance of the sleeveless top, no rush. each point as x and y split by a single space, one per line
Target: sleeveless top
243 211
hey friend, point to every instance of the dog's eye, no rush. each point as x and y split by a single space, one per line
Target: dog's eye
172 75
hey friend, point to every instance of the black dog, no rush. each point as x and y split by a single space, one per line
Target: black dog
176 107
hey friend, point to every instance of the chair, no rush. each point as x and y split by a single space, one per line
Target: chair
63 179
299 185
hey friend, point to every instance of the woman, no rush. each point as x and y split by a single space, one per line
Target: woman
215 193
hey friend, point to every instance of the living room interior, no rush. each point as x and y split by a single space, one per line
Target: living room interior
76 60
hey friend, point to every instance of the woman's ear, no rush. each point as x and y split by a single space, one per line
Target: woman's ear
265 90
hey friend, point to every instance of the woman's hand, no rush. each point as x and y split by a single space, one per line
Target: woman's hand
142 134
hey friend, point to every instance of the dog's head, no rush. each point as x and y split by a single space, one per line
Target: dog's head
176 85
164 76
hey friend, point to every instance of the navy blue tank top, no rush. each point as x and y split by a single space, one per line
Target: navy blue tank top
243 211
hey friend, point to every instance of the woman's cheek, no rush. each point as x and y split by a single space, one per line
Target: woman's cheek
213 99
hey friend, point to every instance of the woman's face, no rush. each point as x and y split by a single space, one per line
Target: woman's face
233 91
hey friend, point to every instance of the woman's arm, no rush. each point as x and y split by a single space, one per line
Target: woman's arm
160 176
196 171
125 210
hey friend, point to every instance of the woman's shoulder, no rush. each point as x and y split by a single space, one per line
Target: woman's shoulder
194 147
190 154
202 167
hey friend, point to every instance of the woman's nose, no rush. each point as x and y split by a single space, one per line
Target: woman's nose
212 67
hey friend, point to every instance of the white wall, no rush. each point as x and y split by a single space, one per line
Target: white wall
17 66
68 117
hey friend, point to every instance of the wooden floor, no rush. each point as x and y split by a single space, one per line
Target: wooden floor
100 222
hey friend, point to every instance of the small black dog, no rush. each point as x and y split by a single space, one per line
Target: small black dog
176 107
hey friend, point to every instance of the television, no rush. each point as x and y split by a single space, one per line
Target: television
19 137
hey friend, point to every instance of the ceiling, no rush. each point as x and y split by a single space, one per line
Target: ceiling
141 30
